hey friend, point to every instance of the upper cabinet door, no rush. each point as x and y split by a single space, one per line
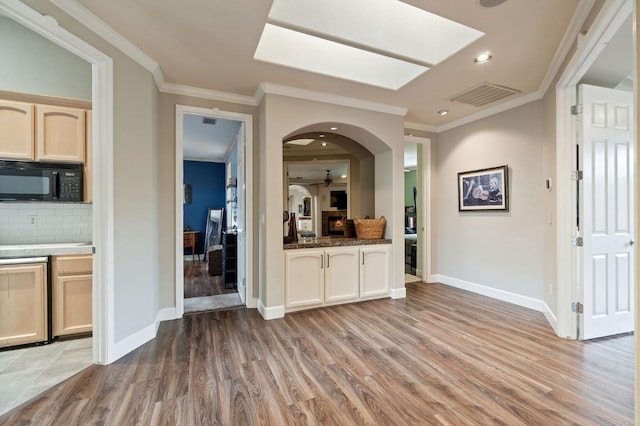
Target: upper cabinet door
16 130
60 134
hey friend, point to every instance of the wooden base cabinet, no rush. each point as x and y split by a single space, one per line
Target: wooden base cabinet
23 304
304 278
317 277
72 294
375 270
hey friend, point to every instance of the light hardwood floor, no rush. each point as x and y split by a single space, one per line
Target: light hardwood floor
441 356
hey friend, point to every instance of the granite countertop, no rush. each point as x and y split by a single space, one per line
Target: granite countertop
304 243
27 250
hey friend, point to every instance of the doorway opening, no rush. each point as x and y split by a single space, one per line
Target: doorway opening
417 217
213 229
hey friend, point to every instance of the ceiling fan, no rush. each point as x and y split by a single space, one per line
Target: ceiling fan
328 179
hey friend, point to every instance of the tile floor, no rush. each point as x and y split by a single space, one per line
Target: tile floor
24 373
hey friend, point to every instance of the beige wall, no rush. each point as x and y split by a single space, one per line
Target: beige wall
503 250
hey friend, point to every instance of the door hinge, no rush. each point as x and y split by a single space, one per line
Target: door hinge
576 109
577 242
576 175
576 307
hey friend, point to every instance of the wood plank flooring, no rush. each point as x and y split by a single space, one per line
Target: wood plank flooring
441 356
198 283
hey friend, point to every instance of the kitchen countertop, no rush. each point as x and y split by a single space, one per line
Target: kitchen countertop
27 250
318 242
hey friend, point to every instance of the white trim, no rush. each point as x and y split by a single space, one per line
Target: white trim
215 95
252 303
293 92
418 126
494 293
189 258
165 314
250 212
103 230
418 272
204 160
433 278
270 313
523 100
551 318
609 19
134 341
398 293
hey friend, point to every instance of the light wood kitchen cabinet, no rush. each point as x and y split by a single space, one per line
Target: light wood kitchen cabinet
60 134
304 278
23 304
72 283
375 270
16 130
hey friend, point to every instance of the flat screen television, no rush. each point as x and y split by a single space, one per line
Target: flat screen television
339 199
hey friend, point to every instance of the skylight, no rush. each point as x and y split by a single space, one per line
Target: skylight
319 36
297 50
303 142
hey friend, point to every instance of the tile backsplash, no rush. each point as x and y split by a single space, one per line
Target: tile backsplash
38 222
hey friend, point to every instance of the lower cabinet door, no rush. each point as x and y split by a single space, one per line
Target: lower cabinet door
72 304
23 306
341 275
304 281
375 271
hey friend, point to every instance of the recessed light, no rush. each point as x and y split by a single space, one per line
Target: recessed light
334 128
443 112
343 176
482 58
324 144
321 135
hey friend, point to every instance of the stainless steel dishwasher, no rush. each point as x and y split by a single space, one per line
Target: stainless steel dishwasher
25 301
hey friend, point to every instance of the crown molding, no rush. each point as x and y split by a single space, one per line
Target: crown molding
215 95
531 97
570 35
419 126
293 92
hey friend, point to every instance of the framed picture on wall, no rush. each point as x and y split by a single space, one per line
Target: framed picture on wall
485 189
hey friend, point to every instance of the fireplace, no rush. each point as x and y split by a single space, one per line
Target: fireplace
333 222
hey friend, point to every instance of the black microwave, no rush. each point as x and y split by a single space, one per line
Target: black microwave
39 181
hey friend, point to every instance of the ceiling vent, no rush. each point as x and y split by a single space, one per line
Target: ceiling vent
490 3
209 120
484 94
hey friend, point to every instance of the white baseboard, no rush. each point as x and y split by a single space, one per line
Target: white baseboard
398 293
138 339
132 342
432 278
165 314
418 273
273 312
252 303
505 296
551 317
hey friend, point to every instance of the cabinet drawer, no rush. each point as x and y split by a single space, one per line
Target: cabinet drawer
72 265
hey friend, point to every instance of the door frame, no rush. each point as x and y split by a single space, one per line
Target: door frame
608 21
424 201
102 140
247 119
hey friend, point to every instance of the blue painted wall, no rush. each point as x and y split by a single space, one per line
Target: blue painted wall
207 192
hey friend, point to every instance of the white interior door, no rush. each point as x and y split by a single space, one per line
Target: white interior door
607 212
